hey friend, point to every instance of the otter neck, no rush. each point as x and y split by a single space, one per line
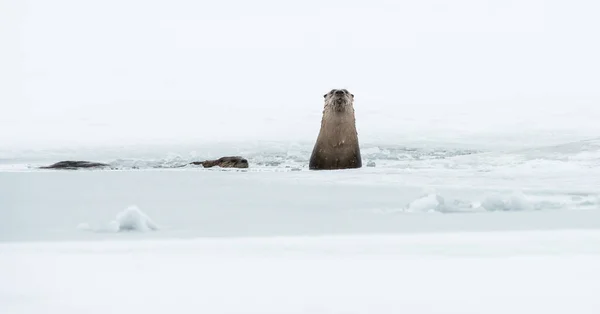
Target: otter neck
341 108
333 115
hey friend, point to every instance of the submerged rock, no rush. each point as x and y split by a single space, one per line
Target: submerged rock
71 165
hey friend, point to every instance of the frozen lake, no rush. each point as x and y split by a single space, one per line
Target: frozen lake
490 272
403 190
433 228
478 126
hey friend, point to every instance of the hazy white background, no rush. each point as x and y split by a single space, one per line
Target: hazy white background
128 71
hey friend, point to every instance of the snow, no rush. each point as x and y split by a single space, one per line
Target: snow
430 202
517 201
478 126
42 205
84 226
132 219
483 272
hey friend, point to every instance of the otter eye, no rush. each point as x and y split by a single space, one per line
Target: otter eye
345 91
325 96
352 95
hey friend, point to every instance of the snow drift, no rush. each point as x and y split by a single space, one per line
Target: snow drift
130 219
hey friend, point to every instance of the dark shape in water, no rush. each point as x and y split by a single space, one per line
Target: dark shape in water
224 162
72 165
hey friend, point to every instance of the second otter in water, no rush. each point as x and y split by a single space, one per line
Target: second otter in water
224 162
337 144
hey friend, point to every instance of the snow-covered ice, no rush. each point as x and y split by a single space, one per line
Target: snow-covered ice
478 125
482 272
425 231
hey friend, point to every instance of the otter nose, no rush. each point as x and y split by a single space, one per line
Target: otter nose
339 92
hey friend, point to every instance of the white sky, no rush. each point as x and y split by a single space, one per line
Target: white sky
132 62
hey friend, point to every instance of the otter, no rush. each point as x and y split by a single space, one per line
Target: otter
224 162
337 143
75 164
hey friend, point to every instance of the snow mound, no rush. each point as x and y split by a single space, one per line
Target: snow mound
516 202
432 202
428 203
132 219
435 203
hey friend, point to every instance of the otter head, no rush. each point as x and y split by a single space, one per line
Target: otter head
339 99
224 162
233 162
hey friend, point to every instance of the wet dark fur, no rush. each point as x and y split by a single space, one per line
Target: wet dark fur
71 165
337 144
224 162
